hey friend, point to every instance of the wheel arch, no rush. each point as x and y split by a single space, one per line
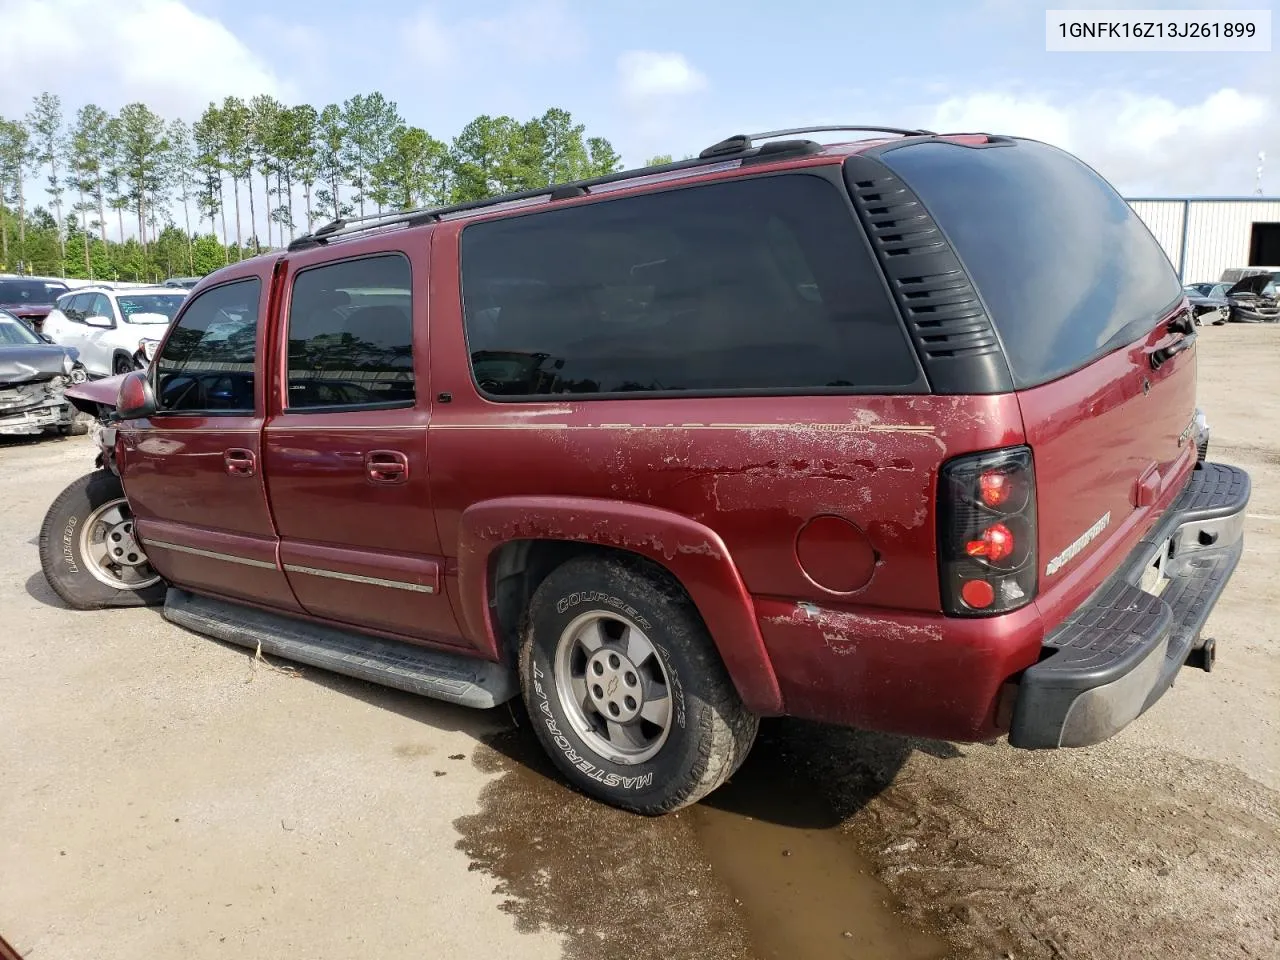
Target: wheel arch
507 547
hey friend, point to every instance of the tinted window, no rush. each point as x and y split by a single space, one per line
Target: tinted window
1067 270
760 284
207 362
149 307
351 334
35 292
68 304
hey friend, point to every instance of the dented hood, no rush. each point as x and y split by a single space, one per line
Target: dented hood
1255 285
34 362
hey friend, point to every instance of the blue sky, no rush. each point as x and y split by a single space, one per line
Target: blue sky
673 77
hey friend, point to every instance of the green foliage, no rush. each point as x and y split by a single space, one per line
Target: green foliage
181 184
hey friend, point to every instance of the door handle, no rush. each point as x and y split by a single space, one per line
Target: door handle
386 466
240 462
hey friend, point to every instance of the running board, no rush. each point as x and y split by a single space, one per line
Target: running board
391 663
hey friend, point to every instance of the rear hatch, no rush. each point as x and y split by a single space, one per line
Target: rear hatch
1089 313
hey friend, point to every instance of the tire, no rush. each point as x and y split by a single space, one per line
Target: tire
122 363
708 732
90 506
78 427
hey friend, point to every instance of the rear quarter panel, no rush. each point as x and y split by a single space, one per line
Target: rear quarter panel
754 471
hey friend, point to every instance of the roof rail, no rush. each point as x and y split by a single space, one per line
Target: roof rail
744 141
740 146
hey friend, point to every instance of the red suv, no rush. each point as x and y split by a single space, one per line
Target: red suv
899 434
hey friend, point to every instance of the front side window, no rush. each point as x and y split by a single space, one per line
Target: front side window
100 306
751 285
149 307
351 334
207 364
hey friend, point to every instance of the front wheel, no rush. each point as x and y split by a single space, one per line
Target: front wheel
626 690
88 550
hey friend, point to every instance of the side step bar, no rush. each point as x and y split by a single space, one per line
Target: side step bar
404 666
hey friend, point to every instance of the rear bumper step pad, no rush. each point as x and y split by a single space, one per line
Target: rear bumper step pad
404 666
1119 652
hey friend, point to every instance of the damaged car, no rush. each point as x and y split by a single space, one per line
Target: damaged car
33 377
1253 297
30 298
1209 302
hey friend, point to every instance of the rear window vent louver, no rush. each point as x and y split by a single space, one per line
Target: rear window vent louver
946 318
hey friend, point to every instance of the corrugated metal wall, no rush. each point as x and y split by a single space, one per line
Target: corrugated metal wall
1164 219
1218 232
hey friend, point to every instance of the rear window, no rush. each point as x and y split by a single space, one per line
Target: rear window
1066 268
33 292
751 285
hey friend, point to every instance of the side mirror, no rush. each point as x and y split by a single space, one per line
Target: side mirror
106 322
136 399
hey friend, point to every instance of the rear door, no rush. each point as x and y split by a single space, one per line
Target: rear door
346 445
1088 310
66 323
193 472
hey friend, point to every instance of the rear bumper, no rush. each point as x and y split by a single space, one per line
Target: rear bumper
1119 652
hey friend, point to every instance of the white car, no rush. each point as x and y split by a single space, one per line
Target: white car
108 326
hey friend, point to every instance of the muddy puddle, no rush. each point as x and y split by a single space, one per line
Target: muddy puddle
760 870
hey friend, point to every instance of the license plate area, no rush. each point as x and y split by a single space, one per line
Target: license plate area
1154 579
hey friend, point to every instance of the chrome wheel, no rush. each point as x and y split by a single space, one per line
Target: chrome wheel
614 687
110 550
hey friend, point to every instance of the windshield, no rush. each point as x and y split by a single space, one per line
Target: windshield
14 332
35 292
150 307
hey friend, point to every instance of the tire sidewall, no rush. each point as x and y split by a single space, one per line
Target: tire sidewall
60 537
579 588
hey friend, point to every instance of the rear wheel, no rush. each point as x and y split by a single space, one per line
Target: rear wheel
88 550
625 688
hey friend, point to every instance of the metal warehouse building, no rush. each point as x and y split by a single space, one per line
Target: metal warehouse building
1205 235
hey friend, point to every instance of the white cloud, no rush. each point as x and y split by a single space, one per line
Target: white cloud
1143 143
528 32
160 52
647 75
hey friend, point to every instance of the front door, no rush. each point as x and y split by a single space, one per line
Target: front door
346 447
193 472
96 343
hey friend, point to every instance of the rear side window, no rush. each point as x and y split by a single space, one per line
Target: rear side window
207 362
351 334
750 285
1066 268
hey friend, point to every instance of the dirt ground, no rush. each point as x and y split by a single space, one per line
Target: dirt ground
164 795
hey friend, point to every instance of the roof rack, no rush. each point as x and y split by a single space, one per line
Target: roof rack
740 146
744 141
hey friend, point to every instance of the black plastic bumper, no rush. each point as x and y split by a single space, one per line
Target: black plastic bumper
1119 652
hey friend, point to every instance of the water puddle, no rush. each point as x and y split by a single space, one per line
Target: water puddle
803 889
760 870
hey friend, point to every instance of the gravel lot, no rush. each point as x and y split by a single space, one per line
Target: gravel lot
167 796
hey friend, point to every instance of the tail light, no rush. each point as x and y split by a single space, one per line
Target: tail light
987 532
